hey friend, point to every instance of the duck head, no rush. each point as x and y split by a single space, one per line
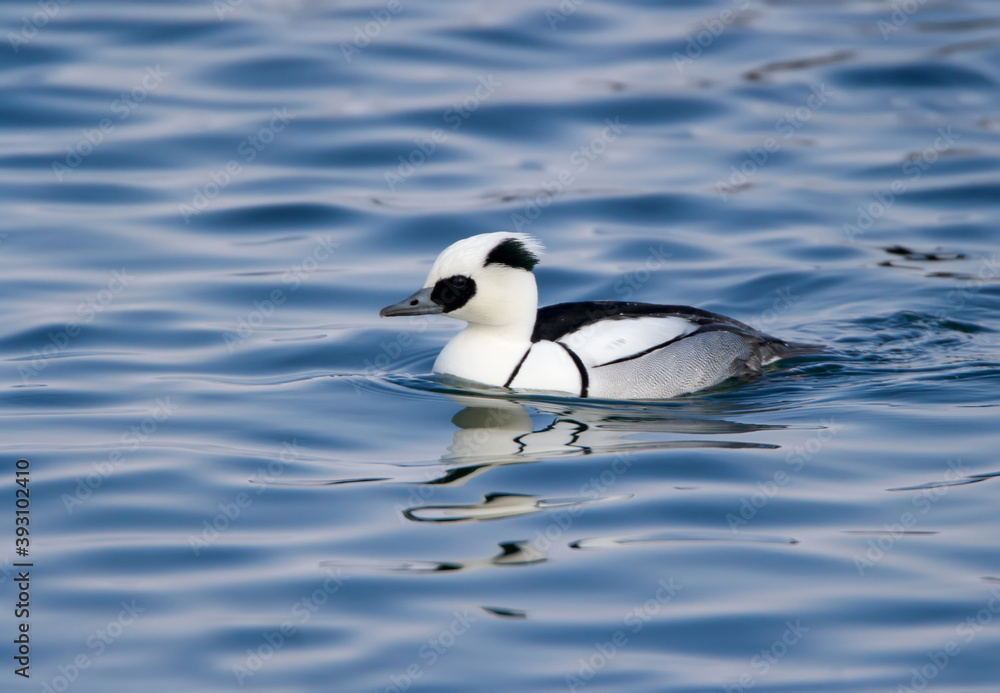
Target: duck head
484 280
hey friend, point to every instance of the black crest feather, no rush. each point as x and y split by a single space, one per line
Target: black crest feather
512 253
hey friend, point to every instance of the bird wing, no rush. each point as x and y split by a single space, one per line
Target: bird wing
608 341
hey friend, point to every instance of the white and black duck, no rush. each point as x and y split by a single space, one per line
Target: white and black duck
604 349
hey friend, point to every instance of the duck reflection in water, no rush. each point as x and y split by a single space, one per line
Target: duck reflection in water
496 432
493 431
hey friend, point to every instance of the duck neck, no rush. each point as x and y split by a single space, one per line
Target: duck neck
518 332
489 349
505 314
485 353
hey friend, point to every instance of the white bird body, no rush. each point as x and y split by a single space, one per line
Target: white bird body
605 349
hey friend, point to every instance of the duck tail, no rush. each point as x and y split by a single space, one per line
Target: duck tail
780 349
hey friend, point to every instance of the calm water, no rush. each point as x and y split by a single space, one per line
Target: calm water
241 478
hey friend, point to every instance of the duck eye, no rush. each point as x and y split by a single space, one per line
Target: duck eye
454 292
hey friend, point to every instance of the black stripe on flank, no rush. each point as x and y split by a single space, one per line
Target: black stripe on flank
584 379
702 329
651 349
517 368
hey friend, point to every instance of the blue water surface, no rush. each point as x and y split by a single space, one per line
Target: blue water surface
242 479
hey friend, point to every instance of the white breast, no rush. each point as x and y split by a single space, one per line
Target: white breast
477 354
609 340
548 367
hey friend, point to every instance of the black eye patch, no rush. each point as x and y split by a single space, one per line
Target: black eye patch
454 292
